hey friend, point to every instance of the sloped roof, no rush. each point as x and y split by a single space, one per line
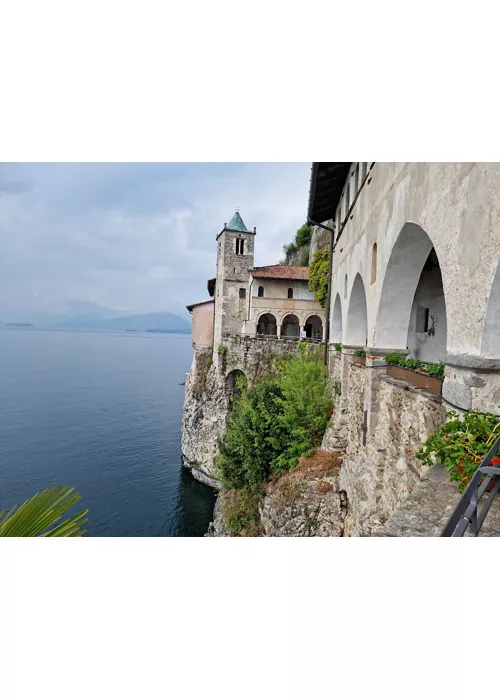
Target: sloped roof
281 272
237 223
199 303
327 183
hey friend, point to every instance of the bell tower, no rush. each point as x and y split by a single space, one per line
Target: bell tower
235 259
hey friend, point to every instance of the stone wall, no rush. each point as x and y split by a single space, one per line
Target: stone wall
378 476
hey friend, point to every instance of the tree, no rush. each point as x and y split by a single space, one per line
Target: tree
43 511
318 276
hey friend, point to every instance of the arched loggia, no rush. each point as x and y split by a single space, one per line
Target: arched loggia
357 324
412 309
336 333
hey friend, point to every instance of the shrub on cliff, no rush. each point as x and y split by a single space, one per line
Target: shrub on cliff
254 437
274 423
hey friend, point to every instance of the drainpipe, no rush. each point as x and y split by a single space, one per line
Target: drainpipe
327 324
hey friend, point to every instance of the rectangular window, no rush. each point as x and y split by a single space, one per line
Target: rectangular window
240 246
243 293
422 320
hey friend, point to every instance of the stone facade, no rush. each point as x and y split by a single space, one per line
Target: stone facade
416 268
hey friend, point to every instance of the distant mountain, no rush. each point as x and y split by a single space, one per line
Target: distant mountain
157 320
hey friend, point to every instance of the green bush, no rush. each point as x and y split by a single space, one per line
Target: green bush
360 353
275 422
337 346
222 350
433 370
318 276
303 236
461 444
240 511
297 252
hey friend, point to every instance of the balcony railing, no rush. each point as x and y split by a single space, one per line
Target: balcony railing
473 507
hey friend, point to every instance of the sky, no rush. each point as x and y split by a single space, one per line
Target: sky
137 237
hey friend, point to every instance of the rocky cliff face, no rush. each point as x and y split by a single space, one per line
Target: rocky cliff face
210 391
306 502
203 417
320 239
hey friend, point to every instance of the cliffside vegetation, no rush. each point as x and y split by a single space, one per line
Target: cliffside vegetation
318 276
297 252
273 424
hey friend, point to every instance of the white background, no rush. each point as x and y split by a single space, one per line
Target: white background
235 81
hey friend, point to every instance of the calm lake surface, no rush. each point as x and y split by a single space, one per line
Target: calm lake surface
100 412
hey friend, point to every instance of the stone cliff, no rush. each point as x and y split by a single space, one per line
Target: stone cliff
210 389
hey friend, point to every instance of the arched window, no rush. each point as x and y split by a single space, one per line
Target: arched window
374 263
345 287
261 292
290 293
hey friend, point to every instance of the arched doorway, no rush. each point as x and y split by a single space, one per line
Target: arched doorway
357 324
314 328
491 335
290 327
412 308
336 334
267 325
236 382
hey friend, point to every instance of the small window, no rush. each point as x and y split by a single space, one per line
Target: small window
261 292
290 293
422 320
374 263
345 287
243 292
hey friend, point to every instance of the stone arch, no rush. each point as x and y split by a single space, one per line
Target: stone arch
266 324
412 309
314 327
357 315
336 334
235 382
290 326
490 346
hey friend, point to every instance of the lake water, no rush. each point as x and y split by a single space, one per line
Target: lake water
100 412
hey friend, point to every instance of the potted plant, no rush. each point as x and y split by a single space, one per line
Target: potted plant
423 375
359 357
461 444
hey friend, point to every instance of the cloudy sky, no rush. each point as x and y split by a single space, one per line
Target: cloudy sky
137 237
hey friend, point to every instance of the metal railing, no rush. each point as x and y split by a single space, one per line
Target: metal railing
470 512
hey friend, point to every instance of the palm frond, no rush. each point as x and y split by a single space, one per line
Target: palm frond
42 511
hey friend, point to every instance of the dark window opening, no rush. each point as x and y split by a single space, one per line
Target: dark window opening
243 293
261 292
290 293
422 320
240 246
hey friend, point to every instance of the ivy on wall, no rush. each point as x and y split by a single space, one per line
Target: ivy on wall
318 276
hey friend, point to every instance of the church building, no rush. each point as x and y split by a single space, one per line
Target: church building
273 301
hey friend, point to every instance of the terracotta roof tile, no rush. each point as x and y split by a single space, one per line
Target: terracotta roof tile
281 272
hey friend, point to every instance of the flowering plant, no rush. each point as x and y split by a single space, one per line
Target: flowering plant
461 444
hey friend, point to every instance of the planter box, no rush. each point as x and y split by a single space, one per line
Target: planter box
359 360
420 380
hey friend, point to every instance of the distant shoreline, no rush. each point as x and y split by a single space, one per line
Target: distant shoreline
149 333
